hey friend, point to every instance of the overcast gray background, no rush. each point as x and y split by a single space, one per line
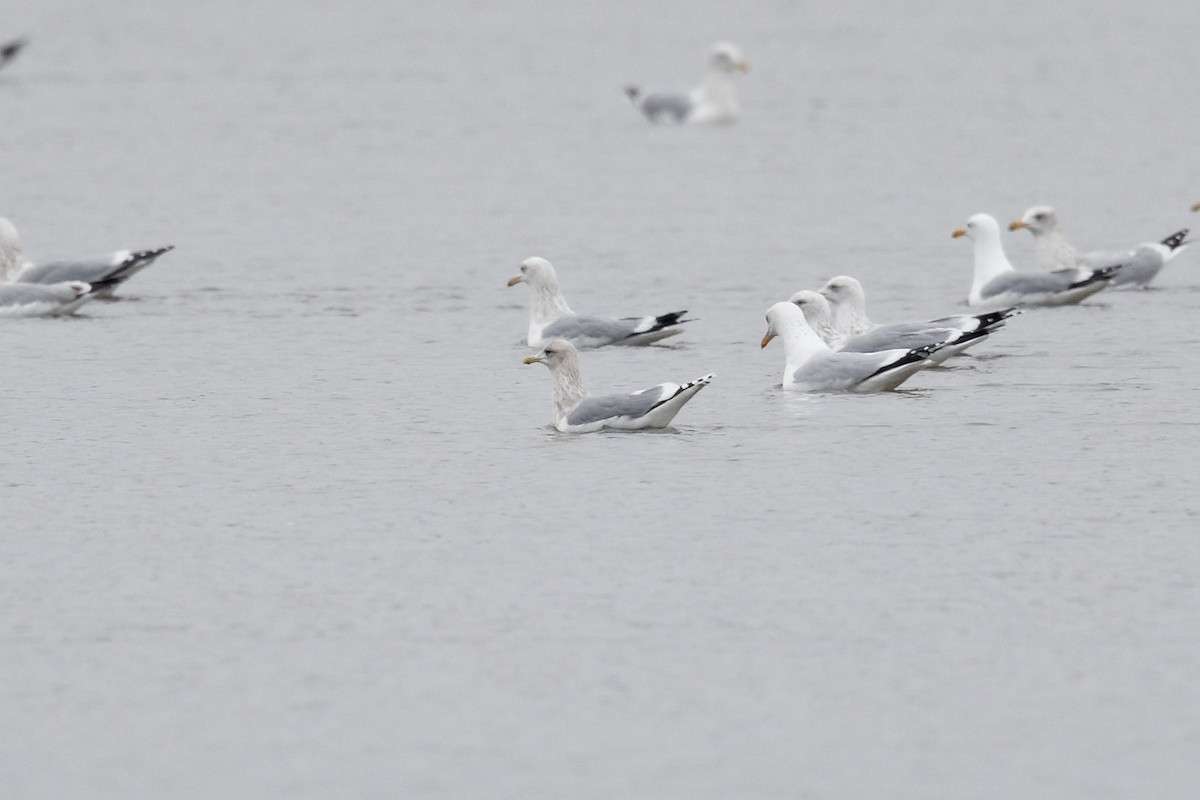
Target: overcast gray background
292 523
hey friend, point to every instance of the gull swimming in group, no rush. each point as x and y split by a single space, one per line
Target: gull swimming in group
809 364
848 307
997 285
577 412
551 318
1138 266
948 340
714 100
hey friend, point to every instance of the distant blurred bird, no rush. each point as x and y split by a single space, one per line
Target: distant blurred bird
713 100
1196 206
9 51
104 273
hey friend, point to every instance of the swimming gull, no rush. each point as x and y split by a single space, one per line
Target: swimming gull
44 300
551 318
577 412
848 304
810 365
713 100
998 285
948 340
107 272
9 50
1138 266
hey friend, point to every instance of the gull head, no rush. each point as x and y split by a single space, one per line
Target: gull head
843 289
979 226
781 317
813 305
728 58
1038 220
555 353
534 271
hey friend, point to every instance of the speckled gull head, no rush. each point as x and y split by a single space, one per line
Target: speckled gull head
844 289
1038 220
556 353
728 58
536 272
814 305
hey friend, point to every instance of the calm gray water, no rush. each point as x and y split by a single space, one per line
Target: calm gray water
292 523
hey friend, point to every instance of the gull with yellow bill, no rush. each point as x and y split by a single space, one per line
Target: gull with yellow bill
551 318
997 285
1138 266
810 366
577 412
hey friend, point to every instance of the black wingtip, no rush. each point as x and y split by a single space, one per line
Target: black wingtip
1100 274
154 253
105 283
143 256
1176 239
980 333
914 355
667 320
10 50
995 319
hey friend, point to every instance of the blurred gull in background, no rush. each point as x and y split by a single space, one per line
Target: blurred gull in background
714 100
